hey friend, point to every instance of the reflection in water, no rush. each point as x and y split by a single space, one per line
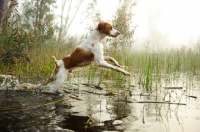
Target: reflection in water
169 117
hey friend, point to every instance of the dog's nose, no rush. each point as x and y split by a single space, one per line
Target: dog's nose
117 33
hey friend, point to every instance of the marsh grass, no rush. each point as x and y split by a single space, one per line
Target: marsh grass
149 65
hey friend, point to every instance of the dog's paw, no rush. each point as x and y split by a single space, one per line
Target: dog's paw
116 64
127 73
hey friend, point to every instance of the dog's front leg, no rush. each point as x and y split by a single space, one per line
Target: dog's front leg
108 58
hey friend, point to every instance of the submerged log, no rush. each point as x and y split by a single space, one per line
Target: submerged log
191 96
173 87
155 102
76 98
144 115
160 102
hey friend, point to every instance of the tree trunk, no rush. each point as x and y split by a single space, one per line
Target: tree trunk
61 21
1 9
41 13
37 13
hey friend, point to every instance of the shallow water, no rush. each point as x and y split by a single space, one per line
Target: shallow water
174 105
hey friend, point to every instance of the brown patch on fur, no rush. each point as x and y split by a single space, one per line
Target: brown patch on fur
79 57
92 44
104 27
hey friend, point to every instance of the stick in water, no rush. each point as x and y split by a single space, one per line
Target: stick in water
144 115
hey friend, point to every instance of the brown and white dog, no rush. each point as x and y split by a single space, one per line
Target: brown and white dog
91 49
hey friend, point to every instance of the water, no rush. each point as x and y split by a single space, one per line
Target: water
174 105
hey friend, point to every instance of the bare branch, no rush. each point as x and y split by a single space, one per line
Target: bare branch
74 15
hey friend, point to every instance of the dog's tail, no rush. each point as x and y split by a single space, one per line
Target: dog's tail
51 79
54 59
29 86
57 62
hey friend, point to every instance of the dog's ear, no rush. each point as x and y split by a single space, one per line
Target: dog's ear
101 27
104 27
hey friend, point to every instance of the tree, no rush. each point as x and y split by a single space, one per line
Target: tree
35 11
92 15
123 22
16 39
39 18
5 10
69 18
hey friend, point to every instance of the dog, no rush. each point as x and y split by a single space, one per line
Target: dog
91 49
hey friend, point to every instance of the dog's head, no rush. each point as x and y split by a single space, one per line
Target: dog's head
106 28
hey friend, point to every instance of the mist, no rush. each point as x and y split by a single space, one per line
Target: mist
167 24
160 24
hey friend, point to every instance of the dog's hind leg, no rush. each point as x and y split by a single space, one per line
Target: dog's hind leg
59 79
59 75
